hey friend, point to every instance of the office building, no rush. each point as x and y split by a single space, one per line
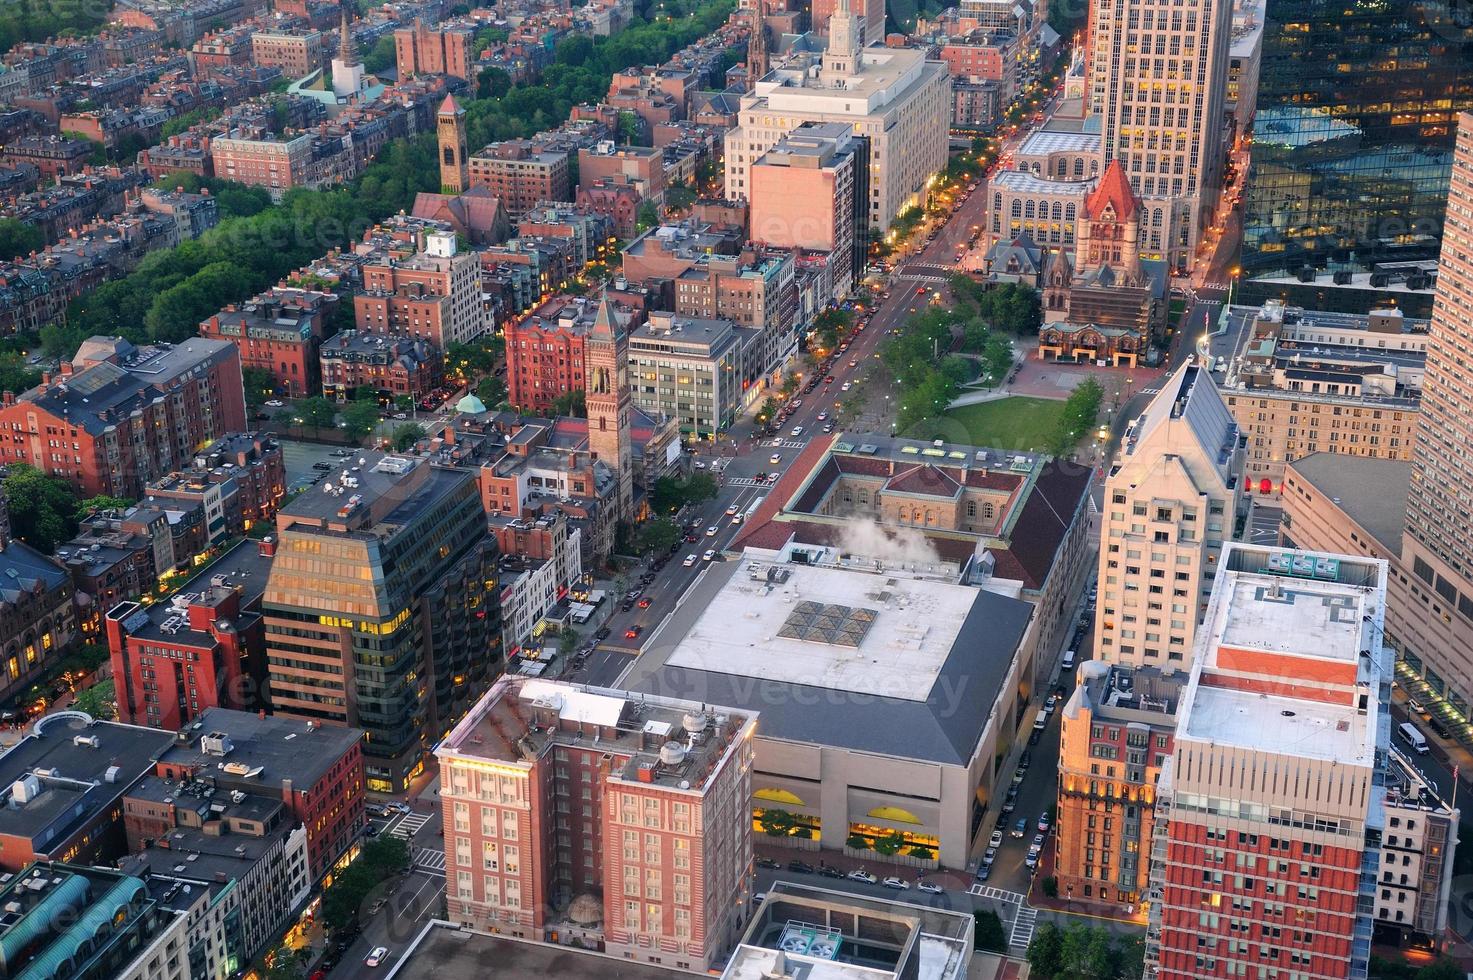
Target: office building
699 372
1171 501
74 922
119 416
819 636
1116 733
1306 381
432 293
804 931
381 609
811 192
1345 199
1270 812
62 787
1161 116
202 647
278 332
651 861
895 98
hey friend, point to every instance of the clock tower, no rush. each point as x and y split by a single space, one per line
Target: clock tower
606 368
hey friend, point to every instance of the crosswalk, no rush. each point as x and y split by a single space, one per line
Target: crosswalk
928 280
997 894
786 444
1023 925
746 481
408 825
427 859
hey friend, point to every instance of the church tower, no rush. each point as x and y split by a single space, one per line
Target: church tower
347 69
756 47
454 165
606 366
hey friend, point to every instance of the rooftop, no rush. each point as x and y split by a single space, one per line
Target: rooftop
241 568
372 488
663 741
1372 492
823 640
1022 182
819 934
443 952
1044 141
1282 657
74 779
264 751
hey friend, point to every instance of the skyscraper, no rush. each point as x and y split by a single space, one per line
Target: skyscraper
606 366
1270 811
382 608
1171 497
1159 75
455 174
1437 543
1352 147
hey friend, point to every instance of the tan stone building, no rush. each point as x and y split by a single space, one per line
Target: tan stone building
296 53
1171 500
1302 382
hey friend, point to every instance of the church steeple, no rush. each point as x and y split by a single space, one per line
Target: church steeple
756 47
347 54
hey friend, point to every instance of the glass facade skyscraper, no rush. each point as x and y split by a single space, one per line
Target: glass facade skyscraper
1352 150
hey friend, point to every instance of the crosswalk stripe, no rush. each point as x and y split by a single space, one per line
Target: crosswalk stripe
1023 926
409 825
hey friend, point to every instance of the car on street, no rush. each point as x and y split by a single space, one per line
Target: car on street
797 431
1043 824
826 871
775 458
1020 829
601 635
859 874
768 863
732 510
632 633
1031 861
275 403
996 839
984 872
989 855
700 465
692 538
800 867
899 884
845 386
930 888
711 531
708 556
376 956
823 416
1018 776
645 602
690 560
828 427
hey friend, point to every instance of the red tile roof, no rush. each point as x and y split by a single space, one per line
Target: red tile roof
1114 189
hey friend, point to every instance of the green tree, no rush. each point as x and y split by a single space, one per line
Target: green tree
646 217
777 822
15 374
99 701
382 55
1081 409
1046 952
284 963
491 390
574 403
259 385
657 535
406 435
1443 969
103 502
404 403
493 83
1129 958
317 412
768 410
360 418
988 933
18 239
43 509
670 494
378 860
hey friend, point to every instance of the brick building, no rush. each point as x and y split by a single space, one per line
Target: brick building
663 832
119 416
544 352
238 480
433 294
521 175
278 332
444 50
296 53
263 159
388 364
53 156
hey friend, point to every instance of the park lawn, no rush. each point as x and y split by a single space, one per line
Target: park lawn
1009 423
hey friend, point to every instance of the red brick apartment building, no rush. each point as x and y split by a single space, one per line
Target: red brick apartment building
554 793
425 50
278 332
521 175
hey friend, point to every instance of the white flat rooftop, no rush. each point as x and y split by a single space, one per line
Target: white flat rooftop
939 959
1305 618
1283 726
848 630
1024 182
1053 141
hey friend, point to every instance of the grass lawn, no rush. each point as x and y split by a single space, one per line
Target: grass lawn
1009 423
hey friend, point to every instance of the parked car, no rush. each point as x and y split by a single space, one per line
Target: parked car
930 888
768 863
825 871
1043 823
984 872
800 867
859 874
989 855
996 839
899 884
275 403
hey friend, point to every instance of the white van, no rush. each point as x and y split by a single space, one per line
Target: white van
1068 663
1414 738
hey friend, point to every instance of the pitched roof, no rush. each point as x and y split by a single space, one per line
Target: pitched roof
1113 190
1047 515
924 480
450 106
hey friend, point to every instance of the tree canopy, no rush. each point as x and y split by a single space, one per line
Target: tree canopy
43 509
19 239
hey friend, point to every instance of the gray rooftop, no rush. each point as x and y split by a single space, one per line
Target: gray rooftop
1372 492
243 567
939 717
79 786
373 488
283 748
444 952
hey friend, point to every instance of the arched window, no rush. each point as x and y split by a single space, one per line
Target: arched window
1069 213
1028 209
1079 167
989 512
1058 211
1017 207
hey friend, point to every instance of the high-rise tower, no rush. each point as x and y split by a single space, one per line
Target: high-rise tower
606 366
1159 75
454 168
846 37
347 69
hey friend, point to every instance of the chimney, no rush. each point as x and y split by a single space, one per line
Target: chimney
267 547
